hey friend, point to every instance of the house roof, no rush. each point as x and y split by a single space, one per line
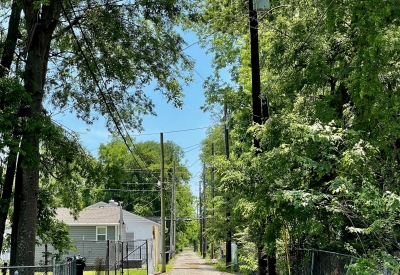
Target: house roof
104 205
91 216
155 219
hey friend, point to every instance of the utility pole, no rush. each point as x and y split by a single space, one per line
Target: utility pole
269 265
255 68
201 219
212 196
204 213
163 254
228 242
173 215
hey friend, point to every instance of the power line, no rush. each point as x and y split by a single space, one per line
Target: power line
169 132
191 146
150 202
98 85
192 149
193 164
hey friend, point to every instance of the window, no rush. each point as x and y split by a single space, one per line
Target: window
101 233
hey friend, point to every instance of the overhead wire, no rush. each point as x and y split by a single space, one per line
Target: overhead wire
169 132
110 105
191 146
103 97
193 163
187 151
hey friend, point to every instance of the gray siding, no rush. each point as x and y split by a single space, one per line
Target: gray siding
111 233
87 247
39 254
78 232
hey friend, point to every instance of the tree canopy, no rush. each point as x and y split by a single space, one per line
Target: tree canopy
90 58
133 176
326 168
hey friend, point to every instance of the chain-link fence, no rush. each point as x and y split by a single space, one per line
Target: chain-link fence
67 268
112 257
318 262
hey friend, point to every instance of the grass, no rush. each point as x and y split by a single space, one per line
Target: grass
131 271
168 265
220 265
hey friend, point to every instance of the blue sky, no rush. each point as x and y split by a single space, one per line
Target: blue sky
168 118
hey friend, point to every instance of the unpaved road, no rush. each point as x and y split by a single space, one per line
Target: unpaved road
188 263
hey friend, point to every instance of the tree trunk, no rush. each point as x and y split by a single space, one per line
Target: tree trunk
15 223
6 61
262 261
6 194
272 263
11 40
40 27
266 262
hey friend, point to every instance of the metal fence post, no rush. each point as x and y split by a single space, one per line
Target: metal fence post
122 258
108 258
45 255
127 256
312 262
4 270
351 261
116 256
54 266
147 256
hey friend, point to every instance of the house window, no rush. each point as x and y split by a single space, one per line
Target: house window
101 233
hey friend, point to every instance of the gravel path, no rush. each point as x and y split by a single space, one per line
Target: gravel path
188 263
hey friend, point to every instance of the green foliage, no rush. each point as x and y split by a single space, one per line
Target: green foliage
90 58
328 158
135 45
132 177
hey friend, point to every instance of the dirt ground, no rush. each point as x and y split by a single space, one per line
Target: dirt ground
189 263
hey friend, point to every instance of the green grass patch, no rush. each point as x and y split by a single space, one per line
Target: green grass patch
131 271
220 265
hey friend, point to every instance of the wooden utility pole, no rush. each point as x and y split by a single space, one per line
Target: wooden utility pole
172 234
228 241
255 68
201 219
163 254
212 195
204 213
267 266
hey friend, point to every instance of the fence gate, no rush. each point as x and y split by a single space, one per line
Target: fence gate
125 256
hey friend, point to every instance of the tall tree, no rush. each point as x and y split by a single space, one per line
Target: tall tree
329 148
132 175
102 55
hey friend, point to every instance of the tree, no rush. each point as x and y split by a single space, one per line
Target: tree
90 58
132 175
329 149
